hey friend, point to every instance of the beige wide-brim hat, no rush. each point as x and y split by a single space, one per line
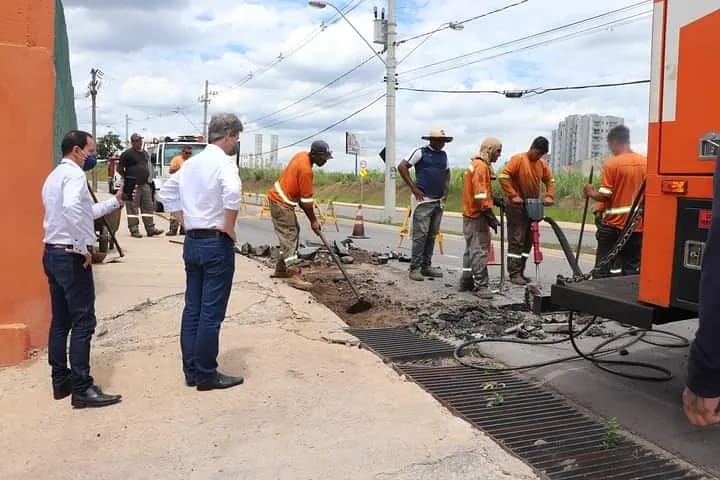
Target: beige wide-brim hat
438 134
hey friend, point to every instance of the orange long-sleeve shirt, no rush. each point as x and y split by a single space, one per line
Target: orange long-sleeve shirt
295 184
522 178
477 189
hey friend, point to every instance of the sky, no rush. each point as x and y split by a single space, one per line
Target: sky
156 56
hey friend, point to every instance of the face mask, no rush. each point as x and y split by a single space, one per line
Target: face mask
90 162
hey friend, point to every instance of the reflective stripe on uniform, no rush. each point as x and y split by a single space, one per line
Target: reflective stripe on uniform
617 211
526 255
151 215
307 200
481 196
514 255
616 270
605 191
503 175
467 269
284 197
132 216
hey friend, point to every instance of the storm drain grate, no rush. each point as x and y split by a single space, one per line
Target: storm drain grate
400 344
542 429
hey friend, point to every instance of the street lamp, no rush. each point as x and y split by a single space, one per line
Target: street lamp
390 63
323 4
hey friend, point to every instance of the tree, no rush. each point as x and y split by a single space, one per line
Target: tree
108 145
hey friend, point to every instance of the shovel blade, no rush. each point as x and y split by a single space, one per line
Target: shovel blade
360 306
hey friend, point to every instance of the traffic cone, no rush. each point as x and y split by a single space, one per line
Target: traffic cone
491 253
359 226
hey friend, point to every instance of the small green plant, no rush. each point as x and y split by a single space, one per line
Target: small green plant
613 437
495 400
493 385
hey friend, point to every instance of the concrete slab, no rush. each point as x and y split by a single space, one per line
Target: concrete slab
309 409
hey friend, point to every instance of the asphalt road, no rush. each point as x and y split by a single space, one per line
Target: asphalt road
652 410
452 223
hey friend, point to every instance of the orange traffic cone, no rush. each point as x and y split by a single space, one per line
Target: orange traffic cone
491 253
359 226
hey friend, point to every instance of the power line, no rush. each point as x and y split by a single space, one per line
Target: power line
471 19
347 8
614 23
340 100
329 127
315 92
529 37
533 91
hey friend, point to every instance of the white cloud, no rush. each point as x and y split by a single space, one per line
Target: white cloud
156 56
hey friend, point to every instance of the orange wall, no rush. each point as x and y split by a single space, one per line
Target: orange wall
27 89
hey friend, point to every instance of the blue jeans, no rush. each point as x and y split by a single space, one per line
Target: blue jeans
72 297
426 225
209 268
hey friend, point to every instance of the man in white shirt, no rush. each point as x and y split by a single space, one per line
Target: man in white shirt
205 196
69 235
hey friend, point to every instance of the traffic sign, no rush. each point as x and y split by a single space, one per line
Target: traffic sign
363 172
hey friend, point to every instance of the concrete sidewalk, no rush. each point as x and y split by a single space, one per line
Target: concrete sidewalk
309 409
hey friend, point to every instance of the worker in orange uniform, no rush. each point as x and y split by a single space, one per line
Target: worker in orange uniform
521 180
175 165
623 174
478 218
295 188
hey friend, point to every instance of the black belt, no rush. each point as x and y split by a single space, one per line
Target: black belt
205 233
60 245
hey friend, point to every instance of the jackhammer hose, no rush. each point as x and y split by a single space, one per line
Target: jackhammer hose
565 245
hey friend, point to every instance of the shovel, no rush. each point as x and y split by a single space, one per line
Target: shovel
361 305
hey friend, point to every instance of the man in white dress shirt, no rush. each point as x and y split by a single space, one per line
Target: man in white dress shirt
205 196
69 235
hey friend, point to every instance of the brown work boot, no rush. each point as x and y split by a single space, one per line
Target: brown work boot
518 279
296 282
416 275
431 272
483 293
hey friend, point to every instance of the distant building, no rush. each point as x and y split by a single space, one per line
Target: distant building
581 141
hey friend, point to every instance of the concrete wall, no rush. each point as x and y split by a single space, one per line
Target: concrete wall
27 86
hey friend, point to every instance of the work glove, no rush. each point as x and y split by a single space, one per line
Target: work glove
499 202
491 219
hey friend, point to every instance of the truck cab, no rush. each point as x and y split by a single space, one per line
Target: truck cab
161 153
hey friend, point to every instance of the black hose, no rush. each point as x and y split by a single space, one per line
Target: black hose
593 356
566 248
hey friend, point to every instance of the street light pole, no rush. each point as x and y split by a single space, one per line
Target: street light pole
390 110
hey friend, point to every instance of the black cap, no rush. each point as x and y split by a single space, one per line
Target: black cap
321 146
135 136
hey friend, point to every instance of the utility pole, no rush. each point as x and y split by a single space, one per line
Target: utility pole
205 100
93 87
390 102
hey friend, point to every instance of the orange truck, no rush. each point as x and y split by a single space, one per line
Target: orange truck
683 144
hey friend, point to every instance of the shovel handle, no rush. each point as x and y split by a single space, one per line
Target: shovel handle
339 264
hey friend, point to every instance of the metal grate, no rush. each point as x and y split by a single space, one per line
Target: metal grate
542 429
400 344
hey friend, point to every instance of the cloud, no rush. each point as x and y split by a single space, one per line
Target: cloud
157 55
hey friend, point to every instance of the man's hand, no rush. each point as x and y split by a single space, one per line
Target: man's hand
316 227
491 219
589 191
445 196
548 201
419 195
87 257
227 230
700 411
517 200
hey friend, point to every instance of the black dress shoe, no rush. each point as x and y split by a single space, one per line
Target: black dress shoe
221 381
63 390
94 397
